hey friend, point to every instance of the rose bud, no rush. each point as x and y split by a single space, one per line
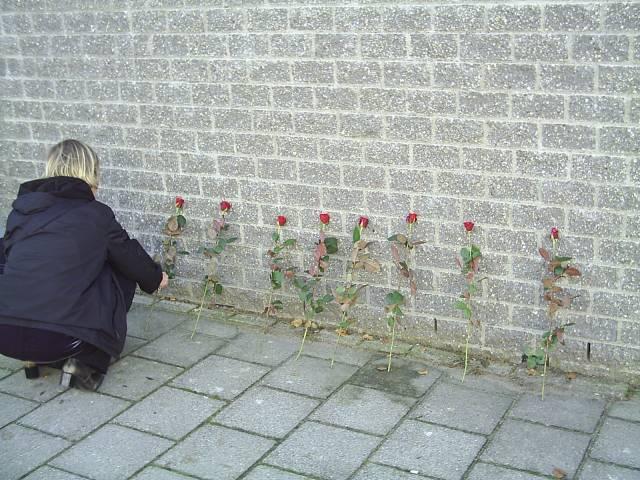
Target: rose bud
412 217
225 206
468 226
363 222
281 220
555 234
325 218
179 202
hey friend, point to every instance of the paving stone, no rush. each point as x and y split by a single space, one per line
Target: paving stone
74 414
41 389
627 409
4 373
48 473
265 349
133 378
146 324
131 344
10 363
231 452
326 452
380 472
211 326
365 409
24 449
177 347
170 412
567 412
430 449
463 408
403 379
262 472
108 453
155 473
310 376
225 378
268 412
484 471
342 354
13 407
601 471
536 448
618 442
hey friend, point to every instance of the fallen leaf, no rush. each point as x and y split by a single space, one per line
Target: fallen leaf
381 369
559 473
423 372
571 375
342 332
531 372
366 336
297 322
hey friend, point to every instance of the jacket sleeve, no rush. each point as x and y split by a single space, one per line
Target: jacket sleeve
130 258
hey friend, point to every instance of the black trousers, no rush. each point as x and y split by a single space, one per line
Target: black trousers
43 346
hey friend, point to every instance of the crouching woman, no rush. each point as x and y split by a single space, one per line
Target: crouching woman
70 272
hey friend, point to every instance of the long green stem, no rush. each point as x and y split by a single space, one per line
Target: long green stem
393 337
206 288
304 337
544 369
158 299
335 348
466 354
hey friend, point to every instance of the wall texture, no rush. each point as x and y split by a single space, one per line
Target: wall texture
518 115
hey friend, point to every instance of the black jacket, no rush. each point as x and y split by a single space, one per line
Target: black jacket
63 251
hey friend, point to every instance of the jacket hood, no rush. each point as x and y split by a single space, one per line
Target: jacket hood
38 195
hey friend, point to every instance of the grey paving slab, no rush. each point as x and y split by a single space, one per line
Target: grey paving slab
111 453
13 407
484 471
568 412
231 452
40 389
627 409
177 347
310 376
131 344
223 377
267 412
49 473
133 378
602 471
618 442
264 472
403 379
170 412
487 382
323 451
259 348
462 408
155 473
343 354
23 449
4 373
11 364
210 326
536 448
382 472
372 411
149 324
430 450
74 414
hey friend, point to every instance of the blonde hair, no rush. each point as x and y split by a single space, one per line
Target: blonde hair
72 158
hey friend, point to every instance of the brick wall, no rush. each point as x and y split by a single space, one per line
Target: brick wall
518 115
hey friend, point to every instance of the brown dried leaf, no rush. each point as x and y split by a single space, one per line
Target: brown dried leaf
395 253
572 272
381 368
531 372
371 265
414 287
559 473
544 254
571 375
423 372
297 322
366 336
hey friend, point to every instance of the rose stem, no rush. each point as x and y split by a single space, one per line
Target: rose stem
206 287
554 243
466 354
335 348
306 329
393 337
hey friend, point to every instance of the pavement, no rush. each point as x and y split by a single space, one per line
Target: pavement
235 403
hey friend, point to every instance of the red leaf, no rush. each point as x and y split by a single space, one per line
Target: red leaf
572 272
544 254
459 263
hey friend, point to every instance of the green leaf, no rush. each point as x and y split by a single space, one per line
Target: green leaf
183 252
231 239
465 254
290 242
394 298
318 308
391 320
275 236
460 305
332 244
277 277
218 288
356 234
218 249
182 222
558 271
562 259
326 298
532 361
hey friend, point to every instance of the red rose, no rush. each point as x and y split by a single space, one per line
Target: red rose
179 202
468 226
412 217
282 220
555 234
225 206
325 218
363 222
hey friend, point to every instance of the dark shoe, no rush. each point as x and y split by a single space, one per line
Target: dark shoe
31 370
83 377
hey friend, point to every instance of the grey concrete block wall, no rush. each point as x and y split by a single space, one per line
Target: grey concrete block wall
520 115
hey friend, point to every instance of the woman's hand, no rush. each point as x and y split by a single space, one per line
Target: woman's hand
165 281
